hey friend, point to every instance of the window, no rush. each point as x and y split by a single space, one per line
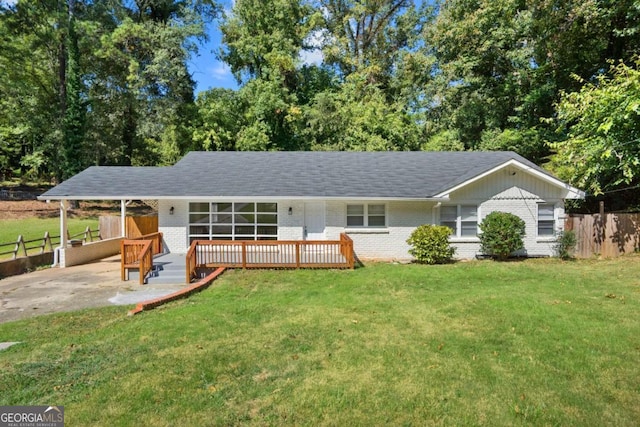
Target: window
546 220
373 215
461 219
233 221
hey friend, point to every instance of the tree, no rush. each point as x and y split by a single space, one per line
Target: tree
141 91
503 63
89 82
74 111
601 124
369 37
263 39
32 98
221 117
263 42
526 142
358 117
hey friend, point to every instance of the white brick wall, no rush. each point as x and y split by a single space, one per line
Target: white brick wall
290 227
388 243
527 209
174 227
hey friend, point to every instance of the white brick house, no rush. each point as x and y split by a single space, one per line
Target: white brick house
378 198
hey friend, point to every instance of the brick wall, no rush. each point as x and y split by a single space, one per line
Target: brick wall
387 243
174 227
290 227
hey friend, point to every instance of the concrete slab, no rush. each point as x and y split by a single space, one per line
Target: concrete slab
74 288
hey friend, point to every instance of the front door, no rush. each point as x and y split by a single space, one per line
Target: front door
314 218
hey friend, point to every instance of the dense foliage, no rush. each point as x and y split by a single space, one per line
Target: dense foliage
106 82
430 244
89 83
502 234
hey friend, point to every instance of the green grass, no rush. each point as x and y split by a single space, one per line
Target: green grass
34 228
539 342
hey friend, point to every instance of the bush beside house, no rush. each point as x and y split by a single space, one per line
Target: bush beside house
502 234
430 244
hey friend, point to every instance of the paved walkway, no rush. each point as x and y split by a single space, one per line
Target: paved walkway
74 288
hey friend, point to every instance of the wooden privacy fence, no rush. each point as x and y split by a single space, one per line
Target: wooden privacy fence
135 226
269 254
608 235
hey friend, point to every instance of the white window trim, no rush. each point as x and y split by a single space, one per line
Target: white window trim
366 226
234 236
552 237
457 237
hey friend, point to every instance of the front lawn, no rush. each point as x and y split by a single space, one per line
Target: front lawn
539 342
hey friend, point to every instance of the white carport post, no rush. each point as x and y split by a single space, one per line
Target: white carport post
123 217
63 223
58 253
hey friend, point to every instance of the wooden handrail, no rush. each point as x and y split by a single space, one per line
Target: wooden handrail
136 254
346 249
191 261
270 254
156 238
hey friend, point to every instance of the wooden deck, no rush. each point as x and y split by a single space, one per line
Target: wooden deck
269 254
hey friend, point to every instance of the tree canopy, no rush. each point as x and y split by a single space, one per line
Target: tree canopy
107 82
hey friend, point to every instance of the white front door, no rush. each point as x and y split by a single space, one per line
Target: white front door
314 218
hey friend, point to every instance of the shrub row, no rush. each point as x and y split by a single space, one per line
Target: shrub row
502 234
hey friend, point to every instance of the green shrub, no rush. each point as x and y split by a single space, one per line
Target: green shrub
430 244
566 243
502 234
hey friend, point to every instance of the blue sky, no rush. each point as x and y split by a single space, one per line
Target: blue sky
206 70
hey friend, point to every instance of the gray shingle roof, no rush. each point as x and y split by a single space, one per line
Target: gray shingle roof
397 175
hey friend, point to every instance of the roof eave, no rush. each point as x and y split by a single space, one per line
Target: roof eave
241 198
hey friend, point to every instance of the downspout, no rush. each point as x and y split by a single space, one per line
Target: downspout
434 209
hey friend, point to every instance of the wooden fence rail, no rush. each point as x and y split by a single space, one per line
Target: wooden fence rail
46 243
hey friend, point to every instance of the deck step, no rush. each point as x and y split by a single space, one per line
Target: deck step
167 269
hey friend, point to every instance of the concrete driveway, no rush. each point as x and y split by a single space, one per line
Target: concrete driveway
74 288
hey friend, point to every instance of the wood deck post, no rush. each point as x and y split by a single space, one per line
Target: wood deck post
244 255
297 254
122 260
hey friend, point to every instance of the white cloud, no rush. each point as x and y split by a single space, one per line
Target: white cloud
8 2
220 71
311 57
314 56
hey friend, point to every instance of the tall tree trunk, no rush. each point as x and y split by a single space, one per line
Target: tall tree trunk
74 117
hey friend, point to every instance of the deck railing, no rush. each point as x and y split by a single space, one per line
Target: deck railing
269 254
138 254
